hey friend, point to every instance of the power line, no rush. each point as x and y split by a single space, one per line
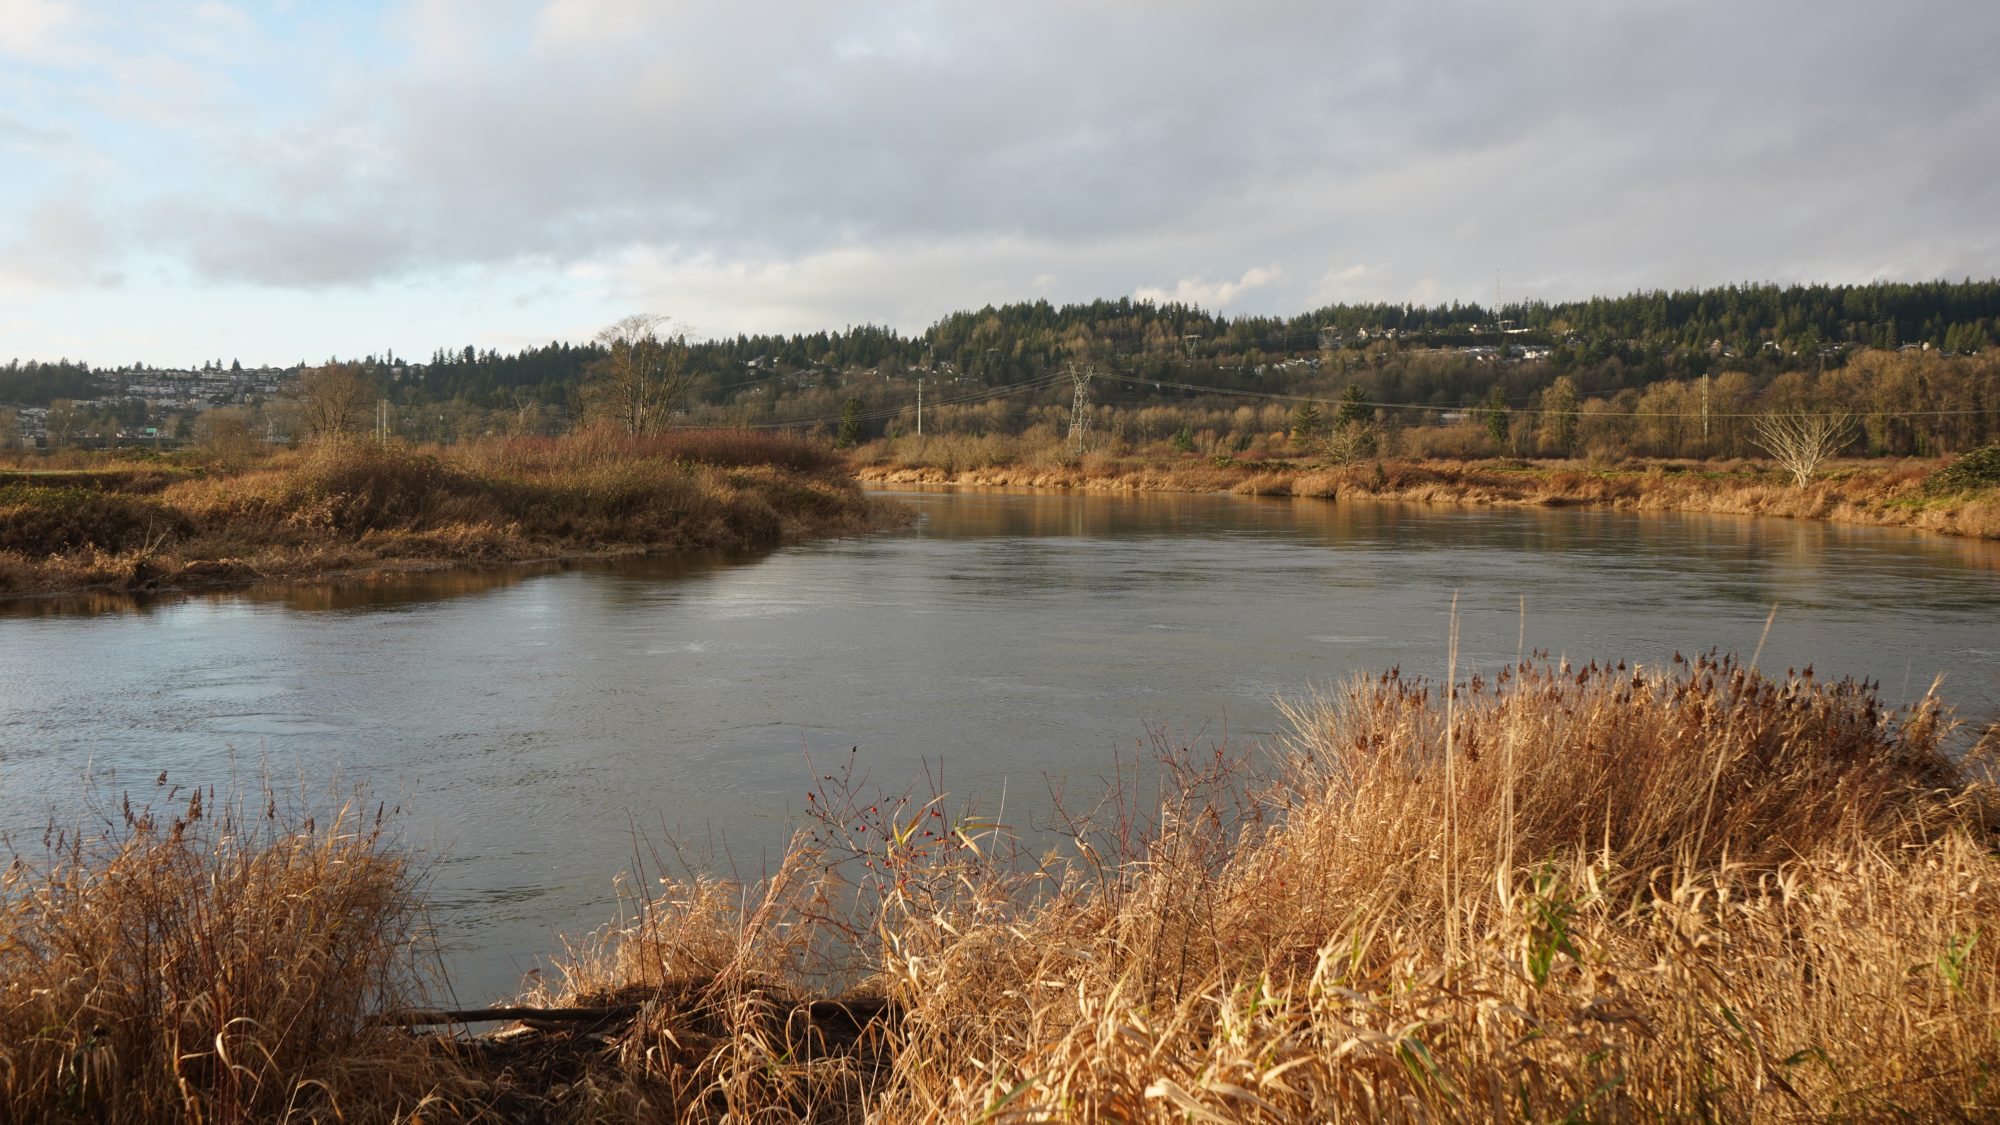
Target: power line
1272 395
1064 376
980 395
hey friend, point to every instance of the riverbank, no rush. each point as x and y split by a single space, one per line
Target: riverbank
1893 494
1689 892
353 509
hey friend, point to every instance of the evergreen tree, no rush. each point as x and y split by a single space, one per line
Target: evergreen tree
849 434
1352 408
1496 416
1306 424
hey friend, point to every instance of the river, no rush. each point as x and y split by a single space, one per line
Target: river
544 729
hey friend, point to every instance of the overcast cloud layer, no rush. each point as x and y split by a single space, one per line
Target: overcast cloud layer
204 180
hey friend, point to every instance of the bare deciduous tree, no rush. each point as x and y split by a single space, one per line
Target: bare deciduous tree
226 437
641 379
334 401
1801 441
62 420
1347 442
528 411
1558 421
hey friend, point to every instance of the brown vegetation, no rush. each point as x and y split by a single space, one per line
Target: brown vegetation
206 964
1689 893
1926 494
343 505
1684 893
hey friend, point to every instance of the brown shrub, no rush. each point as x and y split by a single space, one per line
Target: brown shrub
346 504
727 448
133 477
38 521
953 453
1457 440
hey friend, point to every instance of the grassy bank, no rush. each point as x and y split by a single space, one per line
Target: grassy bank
1904 493
344 507
1684 893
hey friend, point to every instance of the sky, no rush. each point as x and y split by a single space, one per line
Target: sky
290 181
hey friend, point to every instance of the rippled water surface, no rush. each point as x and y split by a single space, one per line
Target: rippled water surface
541 729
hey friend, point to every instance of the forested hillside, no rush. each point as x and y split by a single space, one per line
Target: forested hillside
1666 373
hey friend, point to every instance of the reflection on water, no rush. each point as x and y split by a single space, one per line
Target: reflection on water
542 726
371 591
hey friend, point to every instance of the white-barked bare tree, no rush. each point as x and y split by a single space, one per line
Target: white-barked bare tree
1802 440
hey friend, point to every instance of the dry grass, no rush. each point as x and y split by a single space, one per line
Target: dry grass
1603 893
209 964
1884 493
346 506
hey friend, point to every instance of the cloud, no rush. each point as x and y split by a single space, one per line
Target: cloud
907 286
788 133
31 28
812 162
15 131
1344 285
1214 295
62 243
581 25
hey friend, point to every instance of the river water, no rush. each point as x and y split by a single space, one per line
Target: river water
545 729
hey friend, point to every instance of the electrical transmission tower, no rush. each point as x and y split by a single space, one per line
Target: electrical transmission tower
1081 380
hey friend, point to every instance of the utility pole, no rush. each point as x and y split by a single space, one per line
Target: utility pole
1704 411
930 366
1081 403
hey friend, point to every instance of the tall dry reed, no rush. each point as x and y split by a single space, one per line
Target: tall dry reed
1688 892
213 964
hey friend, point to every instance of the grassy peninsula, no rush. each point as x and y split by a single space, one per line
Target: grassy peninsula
1692 892
1955 496
210 518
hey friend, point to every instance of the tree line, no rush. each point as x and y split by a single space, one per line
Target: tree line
1604 344
1913 358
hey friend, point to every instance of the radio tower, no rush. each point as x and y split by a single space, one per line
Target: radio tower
1081 404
